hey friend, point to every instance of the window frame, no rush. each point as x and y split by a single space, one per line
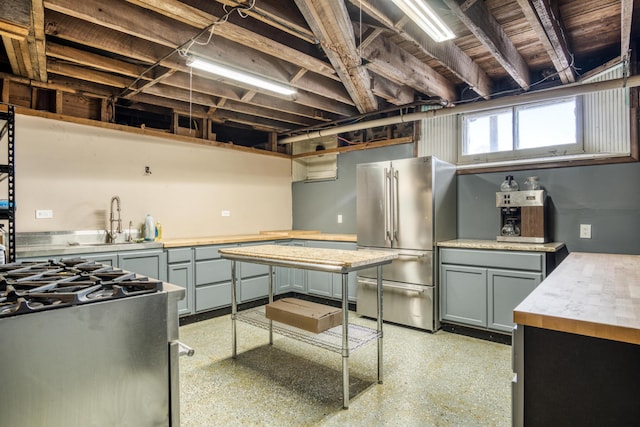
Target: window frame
524 153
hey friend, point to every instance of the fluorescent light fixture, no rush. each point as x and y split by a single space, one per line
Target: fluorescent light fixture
422 14
230 73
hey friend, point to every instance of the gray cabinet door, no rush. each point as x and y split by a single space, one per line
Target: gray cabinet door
507 289
212 278
320 283
464 294
181 274
151 263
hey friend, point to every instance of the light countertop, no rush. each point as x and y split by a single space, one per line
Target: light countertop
507 246
591 294
260 237
329 258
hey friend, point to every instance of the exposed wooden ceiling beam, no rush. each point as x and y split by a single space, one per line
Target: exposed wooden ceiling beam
278 15
15 18
36 41
446 53
545 22
331 24
484 26
193 17
390 61
79 31
626 13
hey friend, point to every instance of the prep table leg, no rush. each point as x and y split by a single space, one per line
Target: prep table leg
234 309
379 283
345 340
270 301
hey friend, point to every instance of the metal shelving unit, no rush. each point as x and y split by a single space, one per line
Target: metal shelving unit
7 172
330 339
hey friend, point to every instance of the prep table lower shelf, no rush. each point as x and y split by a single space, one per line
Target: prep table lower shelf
331 339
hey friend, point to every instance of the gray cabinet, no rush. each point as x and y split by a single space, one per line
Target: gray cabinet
254 278
151 263
180 273
481 288
329 285
212 278
290 279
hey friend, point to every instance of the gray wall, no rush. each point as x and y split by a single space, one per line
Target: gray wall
316 205
604 196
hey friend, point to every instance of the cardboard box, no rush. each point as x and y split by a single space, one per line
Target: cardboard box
305 315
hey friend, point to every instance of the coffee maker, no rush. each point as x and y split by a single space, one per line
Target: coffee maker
522 216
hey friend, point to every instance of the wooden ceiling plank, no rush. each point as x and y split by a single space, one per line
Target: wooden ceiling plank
79 31
391 92
15 18
194 17
94 60
626 14
479 20
391 62
13 54
331 24
86 74
547 26
446 53
276 17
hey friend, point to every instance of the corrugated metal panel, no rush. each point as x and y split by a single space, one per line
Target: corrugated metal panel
606 117
439 138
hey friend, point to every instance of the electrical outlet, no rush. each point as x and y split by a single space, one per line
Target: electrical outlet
585 231
225 213
44 213
339 218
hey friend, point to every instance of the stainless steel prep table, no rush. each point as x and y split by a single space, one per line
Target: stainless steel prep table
327 260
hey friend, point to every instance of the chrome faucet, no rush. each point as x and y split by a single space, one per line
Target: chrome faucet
113 235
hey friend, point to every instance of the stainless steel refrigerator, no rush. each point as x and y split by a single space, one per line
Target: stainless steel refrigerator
406 206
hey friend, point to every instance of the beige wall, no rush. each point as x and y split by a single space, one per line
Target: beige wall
74 170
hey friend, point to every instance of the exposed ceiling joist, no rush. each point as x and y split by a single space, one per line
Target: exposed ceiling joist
446 53
390 61
488 31
191 16
15 18
543 18
330 22
626 13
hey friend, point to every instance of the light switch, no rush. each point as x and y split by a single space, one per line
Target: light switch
225 213
585 231
339 218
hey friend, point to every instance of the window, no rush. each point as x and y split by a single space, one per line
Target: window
523 131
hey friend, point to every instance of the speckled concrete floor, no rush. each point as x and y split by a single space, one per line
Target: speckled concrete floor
439 379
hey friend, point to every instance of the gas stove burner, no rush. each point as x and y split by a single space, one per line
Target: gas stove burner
34 286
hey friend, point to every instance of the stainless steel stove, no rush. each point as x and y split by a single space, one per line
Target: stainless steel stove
34 286
85 344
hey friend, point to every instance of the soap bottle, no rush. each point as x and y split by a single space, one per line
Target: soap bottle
158 231
149 229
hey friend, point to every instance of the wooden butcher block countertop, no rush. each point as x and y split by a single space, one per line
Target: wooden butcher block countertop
259 237
329 258
591 294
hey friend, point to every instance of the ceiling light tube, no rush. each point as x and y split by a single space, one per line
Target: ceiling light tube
230 73
422 14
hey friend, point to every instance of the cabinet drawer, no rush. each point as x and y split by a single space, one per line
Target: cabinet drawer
496 259
209 252
178 255
250 269
213 296
257 287
213 271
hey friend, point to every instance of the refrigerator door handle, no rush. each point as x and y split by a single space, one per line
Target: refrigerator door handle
395 190
387 205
